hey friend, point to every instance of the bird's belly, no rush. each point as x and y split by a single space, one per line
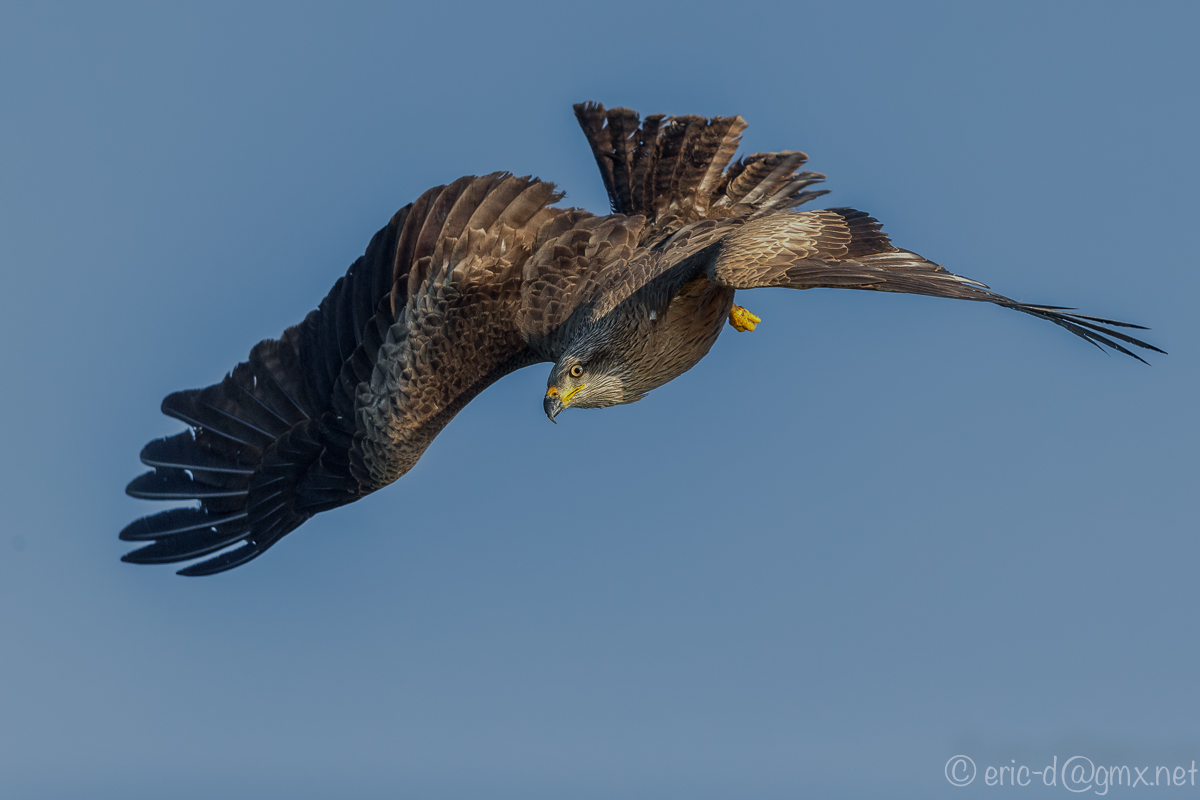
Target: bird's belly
690 327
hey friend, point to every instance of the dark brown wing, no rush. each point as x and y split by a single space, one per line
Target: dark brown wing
457 333
345 401
845 248
672 170
582 266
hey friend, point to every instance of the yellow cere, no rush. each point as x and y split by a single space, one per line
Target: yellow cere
566 400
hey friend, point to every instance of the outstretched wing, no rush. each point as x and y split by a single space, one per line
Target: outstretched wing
676 170
847 249
458 332
346 401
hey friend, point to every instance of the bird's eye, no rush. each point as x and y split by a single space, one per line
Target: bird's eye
576 371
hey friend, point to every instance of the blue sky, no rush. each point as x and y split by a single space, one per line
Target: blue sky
875 533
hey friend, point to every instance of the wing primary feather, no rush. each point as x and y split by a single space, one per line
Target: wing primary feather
223 562
182 548
247 552
1095 334
1086 323
174 484
243 378
256 519
181 451
265 434
264 357
1100 320
174 522
173 406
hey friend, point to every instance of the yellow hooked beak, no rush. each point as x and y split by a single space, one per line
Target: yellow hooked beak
555 402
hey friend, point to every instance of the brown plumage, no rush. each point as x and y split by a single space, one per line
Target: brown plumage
484 276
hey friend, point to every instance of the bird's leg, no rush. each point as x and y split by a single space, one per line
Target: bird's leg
741 319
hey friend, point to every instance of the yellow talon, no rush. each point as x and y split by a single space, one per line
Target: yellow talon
742 320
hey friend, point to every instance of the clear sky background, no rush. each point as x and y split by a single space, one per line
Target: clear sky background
875 533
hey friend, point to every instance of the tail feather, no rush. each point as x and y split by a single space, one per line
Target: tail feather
622 126
782 169
698 168
790 194
679 169
721 142
671 141
645 156
754 169
669 169
591 118
767 182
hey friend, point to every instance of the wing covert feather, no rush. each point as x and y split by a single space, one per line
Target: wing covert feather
565 273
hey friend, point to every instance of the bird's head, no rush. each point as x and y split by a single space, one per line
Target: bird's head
584 383
594 372
621 356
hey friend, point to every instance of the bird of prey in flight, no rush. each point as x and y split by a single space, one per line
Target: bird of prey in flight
486 275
